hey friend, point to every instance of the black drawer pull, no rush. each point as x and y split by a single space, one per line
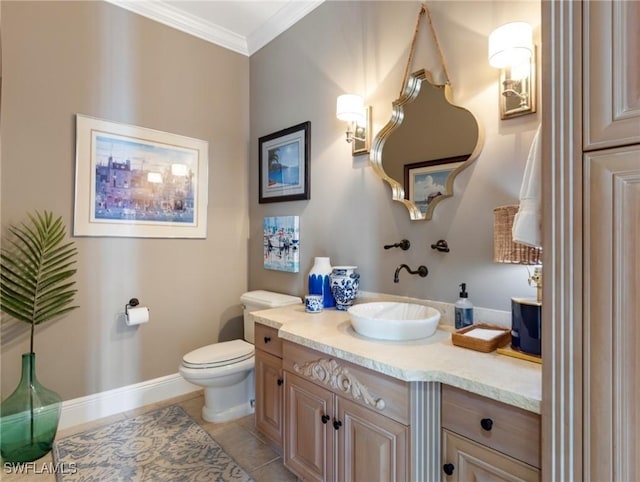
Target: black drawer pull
337 424
448 468
267 339
486 424
280 381
325 418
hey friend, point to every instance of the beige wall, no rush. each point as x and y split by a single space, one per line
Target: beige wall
62 58
97 59
362 47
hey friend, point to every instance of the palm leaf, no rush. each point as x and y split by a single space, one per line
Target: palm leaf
36 270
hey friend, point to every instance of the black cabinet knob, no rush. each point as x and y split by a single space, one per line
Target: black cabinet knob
337 424
325 418
448 468
280 381
267 339
486 424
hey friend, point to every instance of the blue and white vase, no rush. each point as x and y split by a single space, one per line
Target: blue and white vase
344 285
319 281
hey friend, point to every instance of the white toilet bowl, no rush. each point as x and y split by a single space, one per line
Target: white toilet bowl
226 369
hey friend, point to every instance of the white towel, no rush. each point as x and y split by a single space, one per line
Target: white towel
527 224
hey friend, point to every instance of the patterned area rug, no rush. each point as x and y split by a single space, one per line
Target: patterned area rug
162 445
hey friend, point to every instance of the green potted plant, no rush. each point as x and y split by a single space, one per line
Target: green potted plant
36 267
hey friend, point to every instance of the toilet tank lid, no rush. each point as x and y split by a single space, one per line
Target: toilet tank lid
269 299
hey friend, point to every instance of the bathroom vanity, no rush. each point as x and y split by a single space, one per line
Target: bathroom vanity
344 407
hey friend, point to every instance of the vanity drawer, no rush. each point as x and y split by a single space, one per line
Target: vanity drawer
381 393
266 339
510 430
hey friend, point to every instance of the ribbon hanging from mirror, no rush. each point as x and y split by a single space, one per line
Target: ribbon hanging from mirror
424 10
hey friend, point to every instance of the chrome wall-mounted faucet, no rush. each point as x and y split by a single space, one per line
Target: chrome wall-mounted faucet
422 271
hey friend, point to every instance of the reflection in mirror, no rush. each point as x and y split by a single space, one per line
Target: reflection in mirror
424 146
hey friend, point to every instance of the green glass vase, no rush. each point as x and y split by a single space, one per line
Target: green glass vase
28 417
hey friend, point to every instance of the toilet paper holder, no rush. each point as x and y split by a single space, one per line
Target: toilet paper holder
134 313
133 302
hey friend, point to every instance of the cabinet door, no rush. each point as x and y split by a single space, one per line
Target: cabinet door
612 74
468 461
370 446
309 433
611 327
269 396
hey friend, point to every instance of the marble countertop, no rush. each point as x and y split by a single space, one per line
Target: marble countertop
509 380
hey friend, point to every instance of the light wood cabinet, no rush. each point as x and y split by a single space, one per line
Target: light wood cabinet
469 461
370 446
612 74
611 170
309 439
269 414
612 315
483 439
335 426
591 213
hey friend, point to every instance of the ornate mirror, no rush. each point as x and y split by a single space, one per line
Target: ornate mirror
424 146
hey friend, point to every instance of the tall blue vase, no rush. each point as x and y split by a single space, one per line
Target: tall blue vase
28 417
320 282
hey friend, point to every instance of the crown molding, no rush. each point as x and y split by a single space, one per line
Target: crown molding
281 21
173 17
178 19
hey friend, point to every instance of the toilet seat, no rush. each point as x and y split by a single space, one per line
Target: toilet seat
218 354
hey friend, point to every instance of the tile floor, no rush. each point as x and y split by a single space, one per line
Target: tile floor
238 438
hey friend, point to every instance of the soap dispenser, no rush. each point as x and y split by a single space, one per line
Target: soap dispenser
463 308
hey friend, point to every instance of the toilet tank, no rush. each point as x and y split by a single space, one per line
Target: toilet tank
262 300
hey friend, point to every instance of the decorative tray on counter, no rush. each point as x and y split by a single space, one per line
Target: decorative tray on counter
482 337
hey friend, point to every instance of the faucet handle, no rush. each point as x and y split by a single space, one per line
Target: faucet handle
441 246
404 245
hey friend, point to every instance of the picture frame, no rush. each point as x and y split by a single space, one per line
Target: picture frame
284 164
428 182
133 181
281 241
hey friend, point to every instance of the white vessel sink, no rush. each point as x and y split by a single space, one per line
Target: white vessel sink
391 320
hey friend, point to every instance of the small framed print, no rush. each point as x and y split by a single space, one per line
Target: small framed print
284 164
281 240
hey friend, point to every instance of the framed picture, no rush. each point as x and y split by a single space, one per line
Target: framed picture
282 243
427 181
284 164
137 182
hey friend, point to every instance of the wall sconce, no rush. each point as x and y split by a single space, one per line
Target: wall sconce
511 49
350 108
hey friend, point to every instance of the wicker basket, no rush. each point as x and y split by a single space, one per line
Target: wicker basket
505 250
460 339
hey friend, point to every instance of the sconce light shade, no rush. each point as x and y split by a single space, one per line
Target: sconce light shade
350 108
512 51
505 250
510 45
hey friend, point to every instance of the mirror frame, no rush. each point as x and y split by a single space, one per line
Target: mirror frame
410 93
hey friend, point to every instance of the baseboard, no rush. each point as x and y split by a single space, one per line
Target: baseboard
99 405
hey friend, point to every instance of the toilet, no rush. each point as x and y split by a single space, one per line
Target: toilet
226 369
